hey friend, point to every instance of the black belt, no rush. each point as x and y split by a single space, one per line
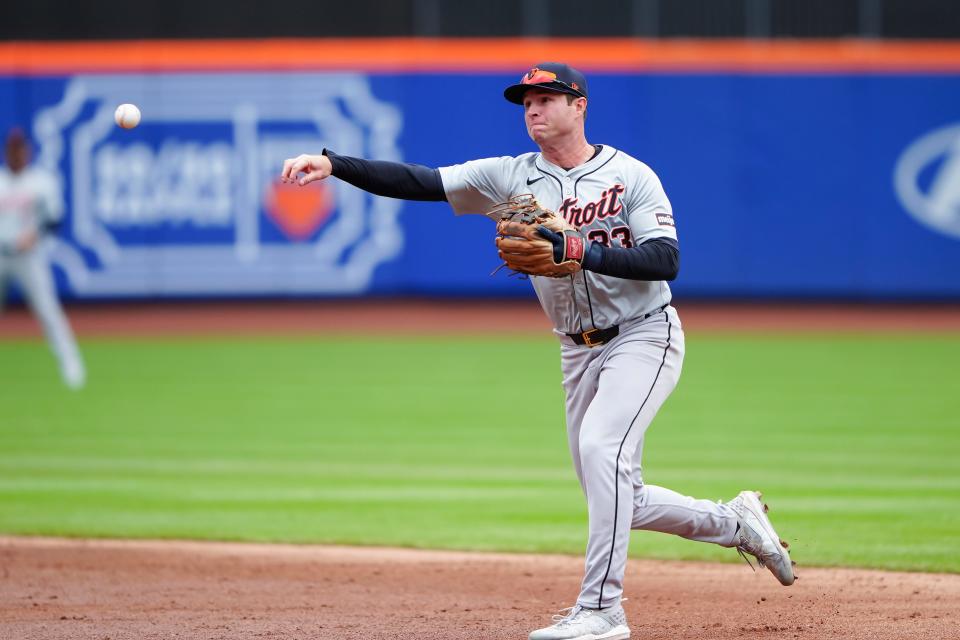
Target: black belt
597 337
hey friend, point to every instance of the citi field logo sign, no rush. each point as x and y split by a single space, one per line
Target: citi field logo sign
927 180
189 202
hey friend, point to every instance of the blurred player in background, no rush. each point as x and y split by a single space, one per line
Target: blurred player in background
31 206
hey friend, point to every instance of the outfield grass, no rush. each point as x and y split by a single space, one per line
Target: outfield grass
436 443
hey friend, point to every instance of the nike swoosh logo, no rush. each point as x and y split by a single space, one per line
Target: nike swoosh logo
530 182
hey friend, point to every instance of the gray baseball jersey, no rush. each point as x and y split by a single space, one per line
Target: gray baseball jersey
613 390
28 200
613 199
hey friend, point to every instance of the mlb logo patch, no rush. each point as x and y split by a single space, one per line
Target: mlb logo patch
665 220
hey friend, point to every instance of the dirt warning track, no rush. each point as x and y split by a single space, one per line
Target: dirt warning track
452 317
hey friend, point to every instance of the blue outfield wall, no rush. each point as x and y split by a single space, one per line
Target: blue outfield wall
843 186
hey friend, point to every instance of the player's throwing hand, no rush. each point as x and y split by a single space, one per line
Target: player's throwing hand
313 167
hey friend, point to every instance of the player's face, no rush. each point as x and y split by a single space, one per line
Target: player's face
550 117
17 155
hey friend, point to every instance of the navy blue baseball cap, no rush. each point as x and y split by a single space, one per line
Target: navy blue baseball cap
552 76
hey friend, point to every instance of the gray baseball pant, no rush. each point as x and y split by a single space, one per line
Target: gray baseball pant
32 272
612 394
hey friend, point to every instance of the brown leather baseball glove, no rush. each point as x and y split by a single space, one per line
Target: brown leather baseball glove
536 241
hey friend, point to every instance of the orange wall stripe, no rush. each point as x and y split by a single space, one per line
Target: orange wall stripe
478 55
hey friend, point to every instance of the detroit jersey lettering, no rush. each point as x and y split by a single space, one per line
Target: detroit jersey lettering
613 199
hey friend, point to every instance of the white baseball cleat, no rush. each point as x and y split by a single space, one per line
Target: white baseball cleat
74 375
578 623
756 536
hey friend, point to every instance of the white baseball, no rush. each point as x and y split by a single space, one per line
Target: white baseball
127 116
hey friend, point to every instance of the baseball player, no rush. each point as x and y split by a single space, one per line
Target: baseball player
30 206
600 273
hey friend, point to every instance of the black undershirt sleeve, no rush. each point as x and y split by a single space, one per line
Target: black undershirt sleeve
657 259
390 179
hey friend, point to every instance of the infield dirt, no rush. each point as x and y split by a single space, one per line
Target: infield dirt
56 589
